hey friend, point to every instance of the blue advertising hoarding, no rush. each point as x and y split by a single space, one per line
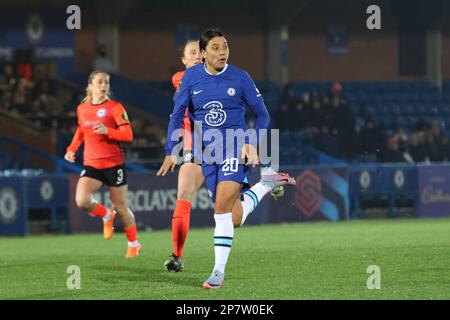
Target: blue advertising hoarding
13 216
391 181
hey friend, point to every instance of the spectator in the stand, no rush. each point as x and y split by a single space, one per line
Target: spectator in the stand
371 139
285 116
102 61
417 147
318 125
21 98
24 60
402 138
392 153
6 99
326 140
46 102
65 97
336 88
8 79
432 140
342 126
435 130
316 117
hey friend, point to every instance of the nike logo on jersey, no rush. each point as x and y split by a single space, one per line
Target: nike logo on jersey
197 92
228 173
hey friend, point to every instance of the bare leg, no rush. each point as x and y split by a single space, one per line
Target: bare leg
86 187
120 204
190 179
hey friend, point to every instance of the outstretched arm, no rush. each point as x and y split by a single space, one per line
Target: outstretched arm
77 140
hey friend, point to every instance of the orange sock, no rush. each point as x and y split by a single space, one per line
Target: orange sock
180 226
131 233
99 211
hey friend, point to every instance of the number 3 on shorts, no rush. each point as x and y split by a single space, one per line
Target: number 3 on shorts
119 176
230 164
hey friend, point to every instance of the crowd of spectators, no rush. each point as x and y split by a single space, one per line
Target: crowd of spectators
327 118
37 100
428 143
48 104
329 122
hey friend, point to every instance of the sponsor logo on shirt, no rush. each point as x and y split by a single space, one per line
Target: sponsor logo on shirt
215 116
101 113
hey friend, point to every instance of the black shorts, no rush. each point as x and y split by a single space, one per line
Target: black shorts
112 177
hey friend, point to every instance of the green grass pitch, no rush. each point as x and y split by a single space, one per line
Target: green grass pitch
296 261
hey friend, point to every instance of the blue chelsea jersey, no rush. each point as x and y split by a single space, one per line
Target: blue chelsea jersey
218 101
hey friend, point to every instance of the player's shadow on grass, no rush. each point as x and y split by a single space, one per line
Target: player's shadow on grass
112 273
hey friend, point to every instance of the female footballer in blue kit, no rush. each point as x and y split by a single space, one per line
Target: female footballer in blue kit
216 94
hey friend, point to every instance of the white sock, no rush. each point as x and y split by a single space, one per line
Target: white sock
133 243
223 238
107 216
252 197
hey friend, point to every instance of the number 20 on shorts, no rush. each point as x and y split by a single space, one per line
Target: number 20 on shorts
230 165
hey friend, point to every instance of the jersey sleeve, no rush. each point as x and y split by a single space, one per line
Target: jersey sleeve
255 101
78 137
123 133
251 94
181 100
120 115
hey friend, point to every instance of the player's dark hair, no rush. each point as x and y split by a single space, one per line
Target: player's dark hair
207 35
186 44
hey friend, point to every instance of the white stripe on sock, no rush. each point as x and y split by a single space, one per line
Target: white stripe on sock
260 190
133 243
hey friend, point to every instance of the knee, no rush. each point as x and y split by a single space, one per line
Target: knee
84 202
223 206
187 194
120 207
